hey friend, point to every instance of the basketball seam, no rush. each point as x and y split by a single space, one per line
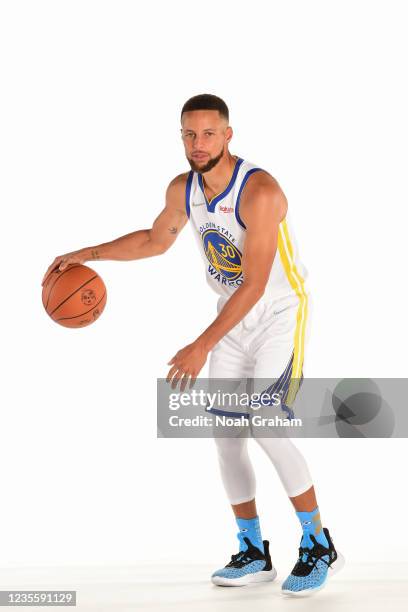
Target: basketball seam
84 313
55 281
70 296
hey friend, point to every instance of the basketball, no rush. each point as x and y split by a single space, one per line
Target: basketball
74 297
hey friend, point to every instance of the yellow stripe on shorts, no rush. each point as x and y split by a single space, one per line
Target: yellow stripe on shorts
296 281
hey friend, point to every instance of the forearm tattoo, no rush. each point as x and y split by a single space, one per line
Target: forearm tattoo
95 254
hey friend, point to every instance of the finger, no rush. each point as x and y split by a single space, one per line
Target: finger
176 378
193 380
184 381
53 266
48 272
171 360
171 372
66 263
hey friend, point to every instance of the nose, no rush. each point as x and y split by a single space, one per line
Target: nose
198 142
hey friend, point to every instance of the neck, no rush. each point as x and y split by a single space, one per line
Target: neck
218 178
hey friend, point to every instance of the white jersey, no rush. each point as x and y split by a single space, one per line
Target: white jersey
220 233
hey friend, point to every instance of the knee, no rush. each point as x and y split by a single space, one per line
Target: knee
276 448
230 449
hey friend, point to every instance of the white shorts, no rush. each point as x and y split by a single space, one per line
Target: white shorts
268 344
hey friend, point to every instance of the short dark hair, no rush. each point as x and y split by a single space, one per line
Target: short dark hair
206 102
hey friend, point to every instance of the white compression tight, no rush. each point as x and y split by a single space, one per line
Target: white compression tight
238 475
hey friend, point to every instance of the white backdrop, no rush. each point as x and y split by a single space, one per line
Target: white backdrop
90 104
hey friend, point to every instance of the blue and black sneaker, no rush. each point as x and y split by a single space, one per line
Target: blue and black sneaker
247 566
313 567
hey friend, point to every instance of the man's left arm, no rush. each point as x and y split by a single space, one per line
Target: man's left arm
263 206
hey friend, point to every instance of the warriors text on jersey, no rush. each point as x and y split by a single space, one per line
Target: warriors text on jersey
220 233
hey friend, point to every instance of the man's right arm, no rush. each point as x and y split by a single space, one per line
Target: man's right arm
153 241
141 243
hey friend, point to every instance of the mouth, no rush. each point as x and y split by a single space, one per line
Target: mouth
199 156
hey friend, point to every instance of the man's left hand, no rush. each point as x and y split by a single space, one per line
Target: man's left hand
187 362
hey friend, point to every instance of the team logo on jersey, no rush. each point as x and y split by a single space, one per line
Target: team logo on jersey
223 255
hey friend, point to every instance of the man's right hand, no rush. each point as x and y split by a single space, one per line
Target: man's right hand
141 243
62 261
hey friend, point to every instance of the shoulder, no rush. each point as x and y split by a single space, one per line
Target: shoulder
178 183
262 195
176 191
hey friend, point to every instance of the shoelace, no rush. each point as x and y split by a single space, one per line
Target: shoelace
313 557
241 557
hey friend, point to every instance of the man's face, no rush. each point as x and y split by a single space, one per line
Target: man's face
205 135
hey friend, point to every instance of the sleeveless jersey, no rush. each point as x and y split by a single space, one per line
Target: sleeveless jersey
220 233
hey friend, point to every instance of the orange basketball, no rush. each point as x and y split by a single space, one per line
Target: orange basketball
74 297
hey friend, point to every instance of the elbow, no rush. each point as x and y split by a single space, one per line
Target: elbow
260 292
155 246
257 290
160 249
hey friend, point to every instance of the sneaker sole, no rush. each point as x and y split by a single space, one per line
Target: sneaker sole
333 569
262 576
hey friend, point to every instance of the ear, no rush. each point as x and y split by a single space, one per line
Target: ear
229 133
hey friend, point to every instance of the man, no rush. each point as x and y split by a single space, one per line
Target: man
240 220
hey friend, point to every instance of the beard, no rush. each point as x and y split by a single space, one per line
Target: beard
213 161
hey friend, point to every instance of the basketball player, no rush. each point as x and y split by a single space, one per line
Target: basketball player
239 217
